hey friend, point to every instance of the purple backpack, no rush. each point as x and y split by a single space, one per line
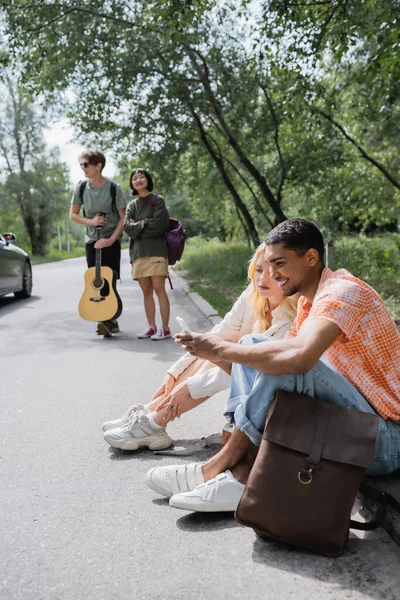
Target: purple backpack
175 237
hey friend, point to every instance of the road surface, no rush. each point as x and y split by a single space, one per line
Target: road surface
77 521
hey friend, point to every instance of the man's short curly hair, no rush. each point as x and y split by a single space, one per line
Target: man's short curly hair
298 235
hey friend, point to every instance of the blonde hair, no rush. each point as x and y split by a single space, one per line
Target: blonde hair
286 310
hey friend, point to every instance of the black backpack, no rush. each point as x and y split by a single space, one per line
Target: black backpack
113 190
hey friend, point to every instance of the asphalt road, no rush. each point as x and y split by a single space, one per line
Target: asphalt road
77 521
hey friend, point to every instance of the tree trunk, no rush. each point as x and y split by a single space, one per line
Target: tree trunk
361 150
240 205
246 162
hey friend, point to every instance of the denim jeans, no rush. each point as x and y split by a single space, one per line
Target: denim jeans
252 393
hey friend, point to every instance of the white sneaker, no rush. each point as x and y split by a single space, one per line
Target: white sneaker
222 493
138 433
174 479
124 420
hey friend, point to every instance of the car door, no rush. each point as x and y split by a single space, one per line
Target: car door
10 268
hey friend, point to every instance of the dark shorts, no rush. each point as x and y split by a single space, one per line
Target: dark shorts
110 256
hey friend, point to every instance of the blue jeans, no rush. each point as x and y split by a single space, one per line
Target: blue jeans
252 393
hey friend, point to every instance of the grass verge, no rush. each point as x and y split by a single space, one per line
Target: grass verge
55 254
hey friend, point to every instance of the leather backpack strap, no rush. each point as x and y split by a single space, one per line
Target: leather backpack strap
314 458
383 500
215 438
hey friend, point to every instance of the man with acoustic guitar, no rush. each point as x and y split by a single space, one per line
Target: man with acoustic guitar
103 211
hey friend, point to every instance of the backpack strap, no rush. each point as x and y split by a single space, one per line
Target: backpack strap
82 186
382 500
113 190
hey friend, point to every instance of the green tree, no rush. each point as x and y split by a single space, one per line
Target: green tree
185 82
36 182
296 119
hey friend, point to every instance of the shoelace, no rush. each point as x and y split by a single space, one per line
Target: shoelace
132 411
137 417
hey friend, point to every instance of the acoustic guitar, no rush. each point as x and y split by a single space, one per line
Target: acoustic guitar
100 300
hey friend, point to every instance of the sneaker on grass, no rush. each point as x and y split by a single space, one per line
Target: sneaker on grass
124 420
138 433
161 334
147 333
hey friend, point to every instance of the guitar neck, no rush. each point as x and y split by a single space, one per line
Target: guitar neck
98 253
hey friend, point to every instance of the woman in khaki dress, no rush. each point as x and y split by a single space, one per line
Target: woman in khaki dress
146 221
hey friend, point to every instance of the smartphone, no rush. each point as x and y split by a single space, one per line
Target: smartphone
183 324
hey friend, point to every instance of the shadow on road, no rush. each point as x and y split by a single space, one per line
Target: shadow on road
349 572
61 331
161 501
144 453
8 304
197 522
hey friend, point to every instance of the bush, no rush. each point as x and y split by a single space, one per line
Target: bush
375 260
218 271
218 266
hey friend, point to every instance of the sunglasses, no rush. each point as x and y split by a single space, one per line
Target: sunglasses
85 165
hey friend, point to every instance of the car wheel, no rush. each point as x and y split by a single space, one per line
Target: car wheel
27 282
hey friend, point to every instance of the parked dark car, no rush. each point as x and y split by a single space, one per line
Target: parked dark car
15 268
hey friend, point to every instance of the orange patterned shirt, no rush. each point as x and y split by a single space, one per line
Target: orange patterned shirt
367 352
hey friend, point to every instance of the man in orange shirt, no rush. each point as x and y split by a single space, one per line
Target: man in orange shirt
343 348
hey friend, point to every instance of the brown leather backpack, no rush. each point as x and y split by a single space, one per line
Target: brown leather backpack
307 472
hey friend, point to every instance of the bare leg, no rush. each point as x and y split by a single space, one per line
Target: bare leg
181 393
163 417
149 305
158 284
199 365
238 454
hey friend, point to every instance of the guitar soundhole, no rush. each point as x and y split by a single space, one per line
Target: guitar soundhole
98 283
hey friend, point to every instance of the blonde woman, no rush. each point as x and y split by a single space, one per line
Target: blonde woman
190 381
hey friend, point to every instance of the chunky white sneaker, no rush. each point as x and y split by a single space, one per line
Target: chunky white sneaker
138 433
161 334
174 479
124 420
147 333
222 493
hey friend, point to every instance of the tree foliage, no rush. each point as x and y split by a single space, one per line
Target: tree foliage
251 111
36 183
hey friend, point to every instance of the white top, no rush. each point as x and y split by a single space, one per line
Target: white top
238 322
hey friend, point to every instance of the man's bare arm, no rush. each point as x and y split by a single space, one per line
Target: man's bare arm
291 355
120 227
